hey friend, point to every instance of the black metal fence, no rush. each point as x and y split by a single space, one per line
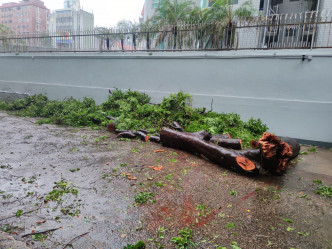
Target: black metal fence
280 31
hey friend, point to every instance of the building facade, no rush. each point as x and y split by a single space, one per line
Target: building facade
25 17
265 7
71 4
68 23
302 14
71 18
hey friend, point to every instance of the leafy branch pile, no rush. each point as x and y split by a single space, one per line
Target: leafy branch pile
133 111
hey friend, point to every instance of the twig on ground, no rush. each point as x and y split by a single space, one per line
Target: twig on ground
10 202
79 236
14 215
40 232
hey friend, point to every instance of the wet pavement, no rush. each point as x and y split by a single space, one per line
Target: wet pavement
97 208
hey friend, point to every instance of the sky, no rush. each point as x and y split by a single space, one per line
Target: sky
107 12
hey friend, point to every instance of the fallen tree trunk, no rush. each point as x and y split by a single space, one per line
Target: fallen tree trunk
193 143
273 147
155 139
126 134
272 155
143 136
275 153
235 144
203 135
221 136
293 144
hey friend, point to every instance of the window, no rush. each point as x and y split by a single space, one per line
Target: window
261 5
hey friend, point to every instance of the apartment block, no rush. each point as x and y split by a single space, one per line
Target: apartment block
68 23
71 18
25 17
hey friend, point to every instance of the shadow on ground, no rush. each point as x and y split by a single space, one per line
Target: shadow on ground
221 207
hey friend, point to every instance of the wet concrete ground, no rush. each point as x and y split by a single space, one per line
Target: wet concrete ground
221 207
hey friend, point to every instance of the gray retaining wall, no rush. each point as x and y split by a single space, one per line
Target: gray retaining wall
291 95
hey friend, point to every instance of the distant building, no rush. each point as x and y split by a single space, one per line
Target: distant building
69 22
25 17
71 18
71 4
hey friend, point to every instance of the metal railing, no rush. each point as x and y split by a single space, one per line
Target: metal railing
278 31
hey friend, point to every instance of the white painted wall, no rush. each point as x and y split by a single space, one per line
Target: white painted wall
293 97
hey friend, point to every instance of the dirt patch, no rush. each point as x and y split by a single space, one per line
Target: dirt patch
80 172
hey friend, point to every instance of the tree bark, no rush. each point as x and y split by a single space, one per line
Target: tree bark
235 144
126 134
273 147
193 143
142 135
155 139
272 154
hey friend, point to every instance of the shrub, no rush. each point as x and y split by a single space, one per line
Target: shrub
133 111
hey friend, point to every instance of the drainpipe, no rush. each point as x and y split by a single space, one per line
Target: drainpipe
314 35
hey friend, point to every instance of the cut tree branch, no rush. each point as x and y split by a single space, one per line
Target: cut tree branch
193 143
272 154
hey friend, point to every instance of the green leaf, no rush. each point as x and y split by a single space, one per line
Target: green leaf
230 225
312 149
19 213
234 245
288 220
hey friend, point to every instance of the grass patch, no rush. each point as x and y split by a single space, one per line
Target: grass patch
325 191
144 197
312 149
139 245
184 240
